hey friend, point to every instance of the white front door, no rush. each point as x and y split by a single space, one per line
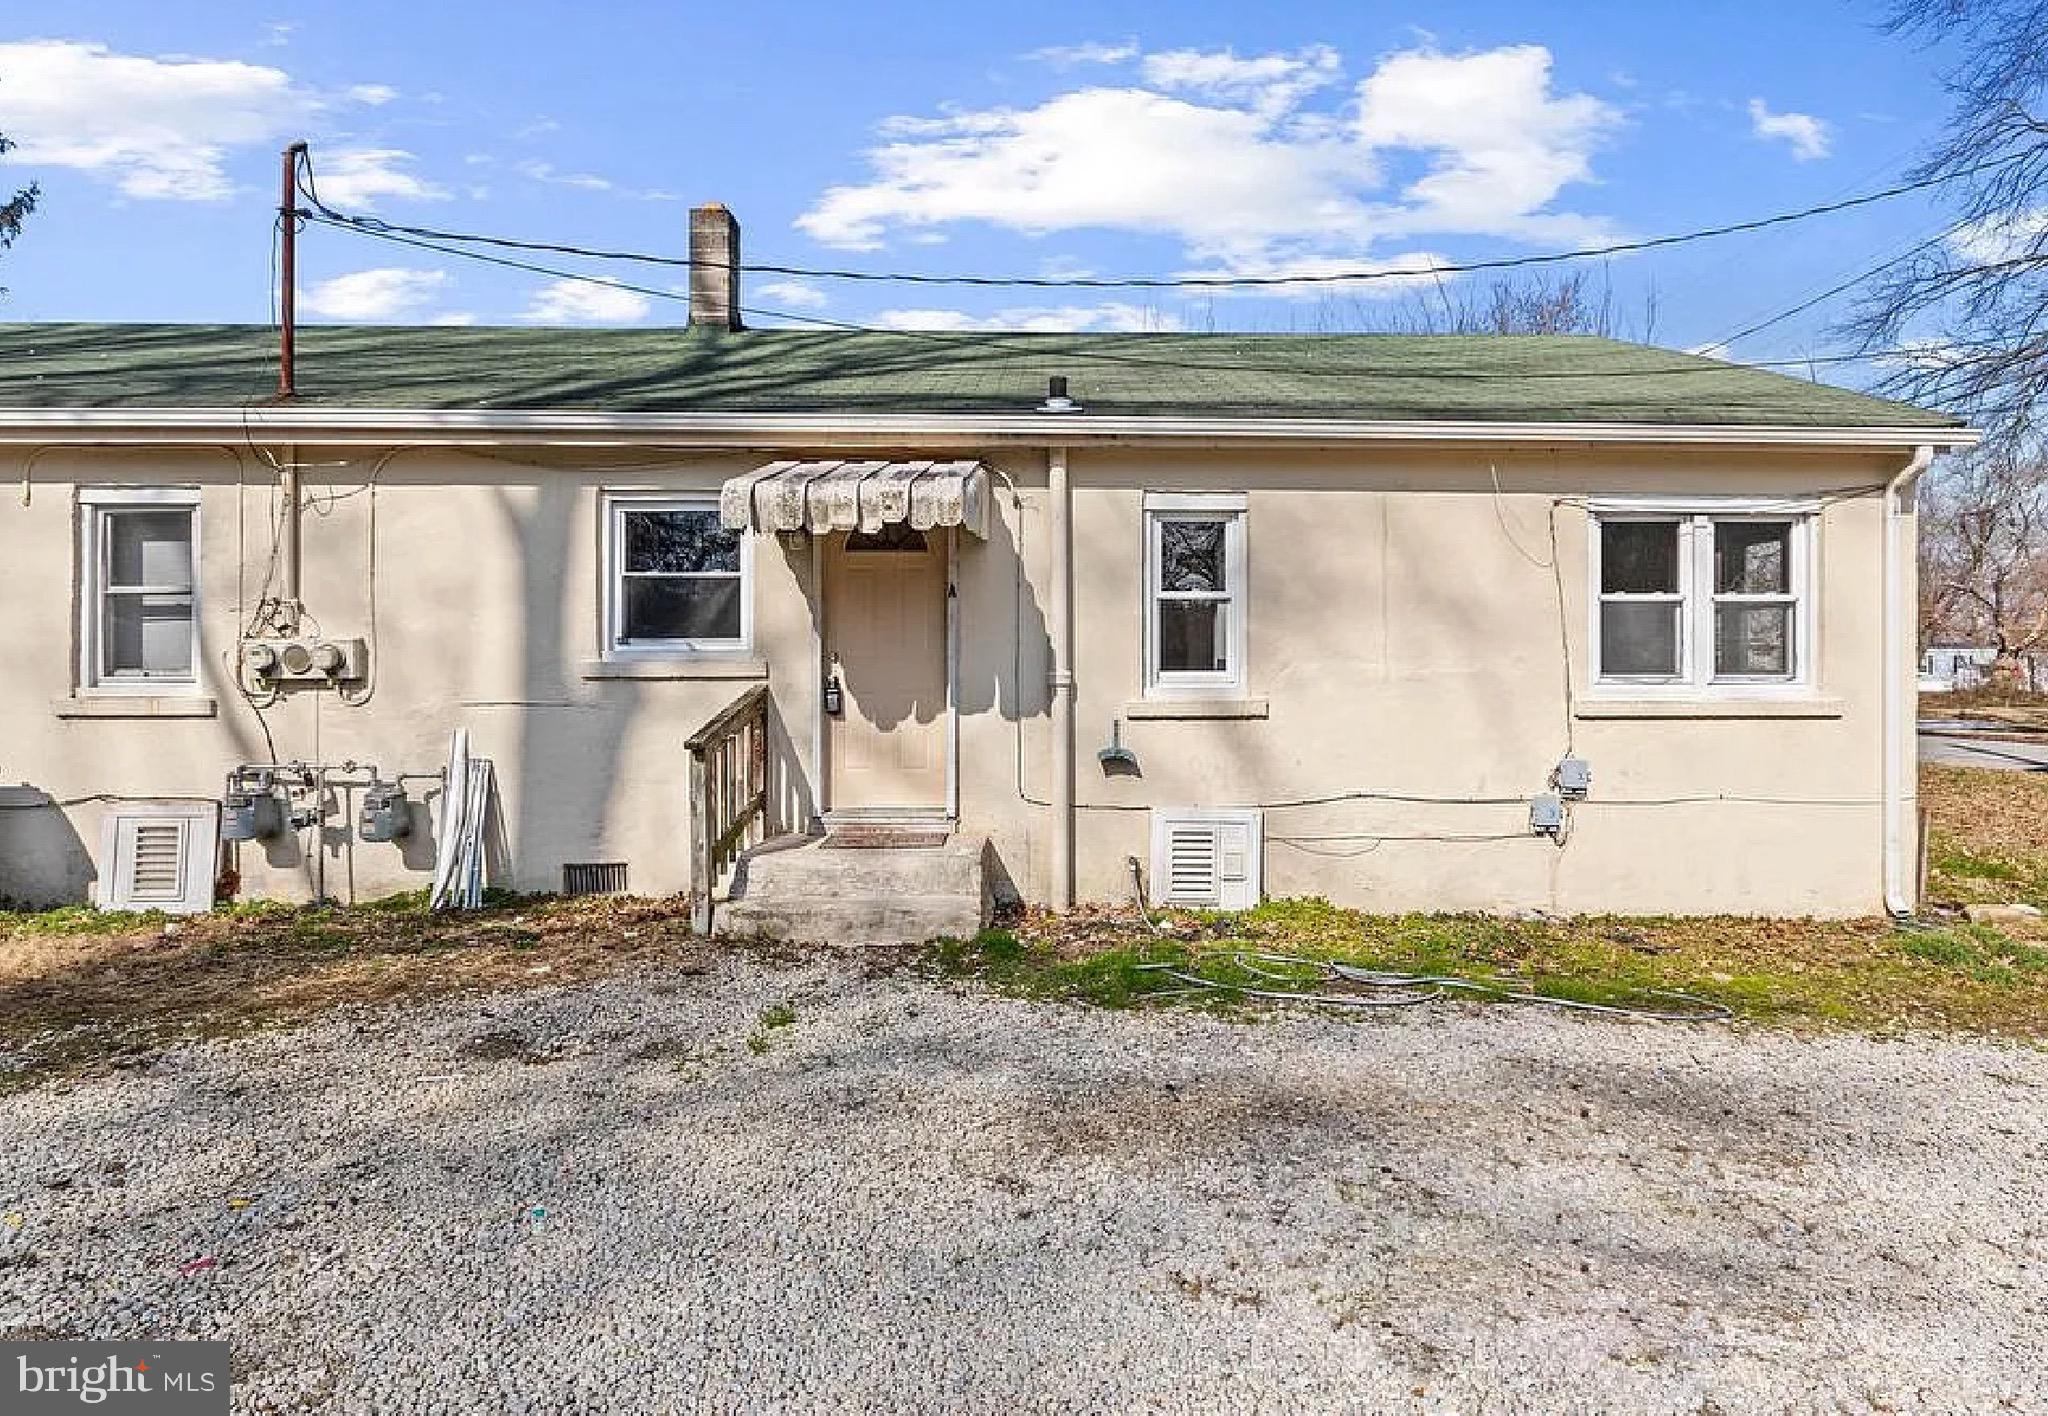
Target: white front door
885 616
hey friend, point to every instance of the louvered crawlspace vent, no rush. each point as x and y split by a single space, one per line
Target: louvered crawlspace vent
157 872
158 855
596 878
1205 859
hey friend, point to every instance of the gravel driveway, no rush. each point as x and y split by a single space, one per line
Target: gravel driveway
914 1199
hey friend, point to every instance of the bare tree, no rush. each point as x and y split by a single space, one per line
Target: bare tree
1535 304
1977 297
1984 555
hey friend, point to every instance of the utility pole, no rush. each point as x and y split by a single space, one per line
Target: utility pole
287 269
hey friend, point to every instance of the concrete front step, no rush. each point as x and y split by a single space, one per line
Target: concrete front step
806 892
910 919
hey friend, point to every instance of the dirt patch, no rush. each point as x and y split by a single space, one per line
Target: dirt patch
504 1045
72 1000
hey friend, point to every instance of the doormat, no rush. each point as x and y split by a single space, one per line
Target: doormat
882 838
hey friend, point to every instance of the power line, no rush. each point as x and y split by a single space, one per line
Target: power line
984 340
529 266
310 189
1833 290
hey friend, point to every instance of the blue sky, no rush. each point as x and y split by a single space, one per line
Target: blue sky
1108 138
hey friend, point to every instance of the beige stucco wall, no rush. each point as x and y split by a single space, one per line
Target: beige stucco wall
1404 629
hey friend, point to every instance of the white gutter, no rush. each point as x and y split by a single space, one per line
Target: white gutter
1061 684
1900 893
490 427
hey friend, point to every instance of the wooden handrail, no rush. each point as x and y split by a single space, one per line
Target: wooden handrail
728 794
721 722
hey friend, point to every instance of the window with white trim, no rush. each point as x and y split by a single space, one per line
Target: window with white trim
677 580
138 601
1702 600
1195 594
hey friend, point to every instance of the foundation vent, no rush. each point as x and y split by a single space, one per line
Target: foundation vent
158 856
600 878
1206 859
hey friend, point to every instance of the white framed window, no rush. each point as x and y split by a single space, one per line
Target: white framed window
1195 603
1714 598
138 555
677 581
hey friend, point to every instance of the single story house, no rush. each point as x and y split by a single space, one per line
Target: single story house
1946 667
1410 623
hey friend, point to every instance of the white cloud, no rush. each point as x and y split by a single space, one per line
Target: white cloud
1808 137
796 294
537 171
1502 145
454 318
1067 56
1221 152
2000 238
361 177
585 302
375 95
1928 355
547 172
1272 82
158 129
381 294
1122 158
1033 319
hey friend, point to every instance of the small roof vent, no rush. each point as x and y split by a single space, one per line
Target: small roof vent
1056 400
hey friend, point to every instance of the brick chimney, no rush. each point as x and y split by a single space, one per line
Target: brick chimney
714 268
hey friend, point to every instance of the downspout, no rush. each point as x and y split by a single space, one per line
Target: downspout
1061 679
1899 890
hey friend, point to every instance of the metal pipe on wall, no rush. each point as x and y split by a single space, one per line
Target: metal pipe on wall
1061 678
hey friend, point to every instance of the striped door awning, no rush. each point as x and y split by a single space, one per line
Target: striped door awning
857 496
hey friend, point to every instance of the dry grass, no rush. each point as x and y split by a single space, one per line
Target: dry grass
1860 974
2014 707
79 990
1988 811
1989 843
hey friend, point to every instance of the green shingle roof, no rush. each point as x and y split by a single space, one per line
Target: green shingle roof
1501 378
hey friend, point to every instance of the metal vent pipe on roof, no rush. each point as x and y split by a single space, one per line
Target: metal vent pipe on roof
1056 399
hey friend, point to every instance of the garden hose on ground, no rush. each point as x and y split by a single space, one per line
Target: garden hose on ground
1407 990
1402 990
